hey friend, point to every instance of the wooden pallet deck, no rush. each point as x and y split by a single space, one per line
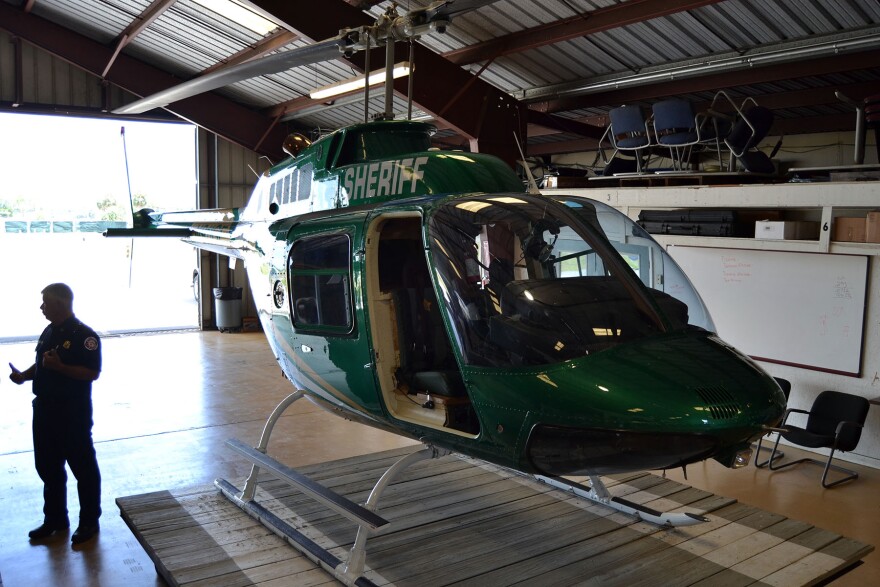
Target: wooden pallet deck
462 522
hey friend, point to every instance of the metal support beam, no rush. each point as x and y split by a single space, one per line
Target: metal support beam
232 121
589 23
18 100
717 81
565 124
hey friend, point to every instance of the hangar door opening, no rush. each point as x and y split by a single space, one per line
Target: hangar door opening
65 181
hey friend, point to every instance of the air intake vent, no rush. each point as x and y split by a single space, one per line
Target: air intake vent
720 402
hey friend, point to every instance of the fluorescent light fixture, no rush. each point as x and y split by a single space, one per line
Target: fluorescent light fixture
357 83
240 14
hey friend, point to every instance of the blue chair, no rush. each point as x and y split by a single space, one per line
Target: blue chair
629 132
677 128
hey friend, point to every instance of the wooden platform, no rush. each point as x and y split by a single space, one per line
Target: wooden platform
457 521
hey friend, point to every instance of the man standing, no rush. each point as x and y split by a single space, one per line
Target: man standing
68 360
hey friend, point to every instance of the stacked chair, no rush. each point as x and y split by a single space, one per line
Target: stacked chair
677 128
674 125
750 124
628 131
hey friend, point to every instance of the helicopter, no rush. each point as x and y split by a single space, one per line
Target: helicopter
428 293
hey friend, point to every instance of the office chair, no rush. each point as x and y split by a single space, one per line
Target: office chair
785 385
628 131
834 421
750 129
749 125
676 127
713 129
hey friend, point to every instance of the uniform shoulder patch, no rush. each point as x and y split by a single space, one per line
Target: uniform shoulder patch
91 343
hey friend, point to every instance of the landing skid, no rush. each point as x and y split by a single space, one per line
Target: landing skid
350 572
599 493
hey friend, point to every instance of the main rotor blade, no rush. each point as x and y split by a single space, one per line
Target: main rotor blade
322 51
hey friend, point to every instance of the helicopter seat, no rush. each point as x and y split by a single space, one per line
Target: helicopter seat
426 360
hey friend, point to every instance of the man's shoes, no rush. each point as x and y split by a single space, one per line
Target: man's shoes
84 533
45 530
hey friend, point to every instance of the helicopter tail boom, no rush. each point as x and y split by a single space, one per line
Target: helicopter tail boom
212 230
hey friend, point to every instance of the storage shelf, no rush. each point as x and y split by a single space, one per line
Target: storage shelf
798 246
823 201
855 194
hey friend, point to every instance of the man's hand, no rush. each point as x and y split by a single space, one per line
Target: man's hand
51 360
16 376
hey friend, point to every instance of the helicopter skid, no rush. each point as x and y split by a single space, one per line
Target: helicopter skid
599 494
308 547
351 571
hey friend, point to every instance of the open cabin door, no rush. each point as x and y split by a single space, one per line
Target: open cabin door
415 364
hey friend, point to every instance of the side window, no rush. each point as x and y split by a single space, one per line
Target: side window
319 284
305 182
287 179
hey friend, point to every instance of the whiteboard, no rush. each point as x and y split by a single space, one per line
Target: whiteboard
803 309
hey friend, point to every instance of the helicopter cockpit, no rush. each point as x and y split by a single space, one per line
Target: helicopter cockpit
532 281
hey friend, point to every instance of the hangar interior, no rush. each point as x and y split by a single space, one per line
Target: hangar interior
549 72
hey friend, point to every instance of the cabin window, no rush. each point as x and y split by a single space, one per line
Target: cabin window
360 146
527 281
319 272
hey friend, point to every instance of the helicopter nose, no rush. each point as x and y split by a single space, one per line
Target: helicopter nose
690 398
559 450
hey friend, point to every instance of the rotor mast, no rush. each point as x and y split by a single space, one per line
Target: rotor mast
389 28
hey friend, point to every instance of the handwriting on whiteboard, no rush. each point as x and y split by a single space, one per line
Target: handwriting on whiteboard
734 270
841 289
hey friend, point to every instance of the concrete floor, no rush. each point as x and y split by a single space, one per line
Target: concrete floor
165 404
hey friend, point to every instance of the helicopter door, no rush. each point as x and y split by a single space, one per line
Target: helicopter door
330 346
416 366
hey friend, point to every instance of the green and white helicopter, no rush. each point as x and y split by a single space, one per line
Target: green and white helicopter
427 293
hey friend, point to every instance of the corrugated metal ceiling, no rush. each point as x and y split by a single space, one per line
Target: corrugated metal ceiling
538 64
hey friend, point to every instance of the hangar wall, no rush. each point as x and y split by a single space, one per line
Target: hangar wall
50 85
226 176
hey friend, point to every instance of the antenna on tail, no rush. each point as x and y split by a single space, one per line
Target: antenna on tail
533 186
130 205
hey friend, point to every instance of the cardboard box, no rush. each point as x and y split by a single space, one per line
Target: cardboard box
872 227
787 229
851 230
562 181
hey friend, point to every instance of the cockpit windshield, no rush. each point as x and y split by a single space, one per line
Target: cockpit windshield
532 280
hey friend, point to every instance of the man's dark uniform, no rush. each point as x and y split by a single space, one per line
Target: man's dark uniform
63 423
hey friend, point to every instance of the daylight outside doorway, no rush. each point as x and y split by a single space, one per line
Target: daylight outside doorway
64 182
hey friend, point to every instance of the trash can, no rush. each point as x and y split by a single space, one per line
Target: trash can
227 308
